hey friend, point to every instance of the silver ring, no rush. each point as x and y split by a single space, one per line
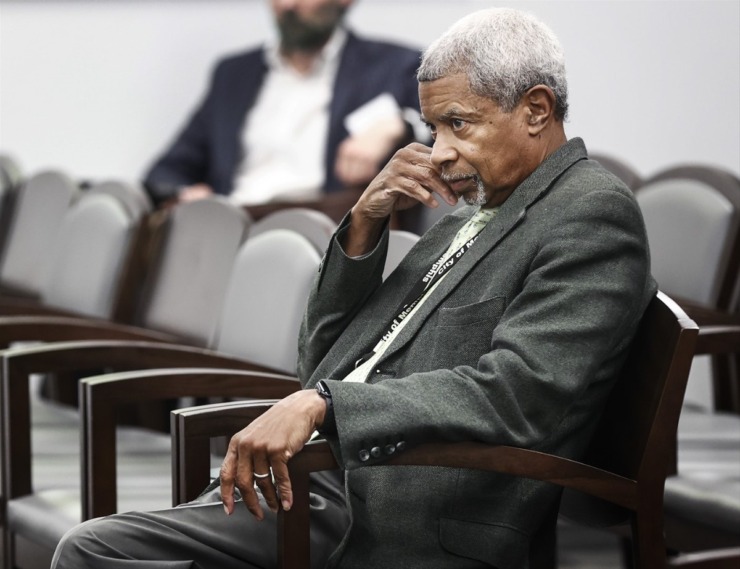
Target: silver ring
260 475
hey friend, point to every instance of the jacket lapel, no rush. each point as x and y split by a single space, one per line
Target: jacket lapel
510 215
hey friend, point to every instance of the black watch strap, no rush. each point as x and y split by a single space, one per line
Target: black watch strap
329 426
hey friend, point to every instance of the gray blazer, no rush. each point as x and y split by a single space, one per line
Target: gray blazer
519 345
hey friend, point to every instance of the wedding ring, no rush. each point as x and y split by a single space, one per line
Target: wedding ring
260 475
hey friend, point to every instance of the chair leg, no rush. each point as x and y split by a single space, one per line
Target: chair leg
648 542
8 548
543 549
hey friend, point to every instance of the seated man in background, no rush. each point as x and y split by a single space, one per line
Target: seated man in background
507 324
318 112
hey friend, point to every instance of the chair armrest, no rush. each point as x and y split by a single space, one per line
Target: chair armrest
715 559
705 315
83 356
60 329
101 395
191 429
724 339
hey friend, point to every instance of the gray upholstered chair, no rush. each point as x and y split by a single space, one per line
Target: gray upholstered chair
181 304
10 181
315 225
11 173
424 217
619 168
400 243
181 297
89 255
41 203
257 330
692 215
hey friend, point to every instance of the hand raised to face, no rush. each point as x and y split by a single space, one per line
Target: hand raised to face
407 179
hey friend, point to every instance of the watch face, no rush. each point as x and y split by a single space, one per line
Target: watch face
323 389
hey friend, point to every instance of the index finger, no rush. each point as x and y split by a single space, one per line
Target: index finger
429 177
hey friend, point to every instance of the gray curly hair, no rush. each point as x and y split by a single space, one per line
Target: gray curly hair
504 52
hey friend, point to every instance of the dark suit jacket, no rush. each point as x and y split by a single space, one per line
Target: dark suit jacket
519 345
209 150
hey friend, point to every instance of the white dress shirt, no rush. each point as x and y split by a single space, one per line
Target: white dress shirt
284 135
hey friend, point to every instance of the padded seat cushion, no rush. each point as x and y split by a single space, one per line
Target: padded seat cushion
714 503
701 427
144 479
709 461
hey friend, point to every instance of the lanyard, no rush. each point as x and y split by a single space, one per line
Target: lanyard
419 290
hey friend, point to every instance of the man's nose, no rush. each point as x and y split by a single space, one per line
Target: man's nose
443 152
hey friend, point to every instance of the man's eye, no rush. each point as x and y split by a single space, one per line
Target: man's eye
457 124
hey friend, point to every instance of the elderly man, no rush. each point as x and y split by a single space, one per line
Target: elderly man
318 111
507 324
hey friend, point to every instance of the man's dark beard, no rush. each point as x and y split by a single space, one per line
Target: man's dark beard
298 35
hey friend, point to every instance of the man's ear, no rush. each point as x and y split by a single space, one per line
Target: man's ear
539 105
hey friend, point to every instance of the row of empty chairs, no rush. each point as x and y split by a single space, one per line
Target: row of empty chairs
260 276
269 380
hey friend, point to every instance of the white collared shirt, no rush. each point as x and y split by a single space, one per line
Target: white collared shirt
285 133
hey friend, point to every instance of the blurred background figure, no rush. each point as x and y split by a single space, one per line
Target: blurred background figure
315 111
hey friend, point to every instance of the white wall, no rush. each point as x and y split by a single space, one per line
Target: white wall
98 87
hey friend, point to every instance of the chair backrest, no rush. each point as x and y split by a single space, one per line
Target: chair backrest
427 216
90 252
131 195
620 169
41 204
266 299
185 289
692 216
400 243
638 426
315 225
10 181
11 173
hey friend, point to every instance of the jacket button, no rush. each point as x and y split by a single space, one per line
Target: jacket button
400 446
390 449
375 452
364 455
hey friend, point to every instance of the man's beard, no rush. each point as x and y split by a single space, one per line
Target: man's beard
479 197
298 35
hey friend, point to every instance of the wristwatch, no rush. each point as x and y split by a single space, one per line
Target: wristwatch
329 425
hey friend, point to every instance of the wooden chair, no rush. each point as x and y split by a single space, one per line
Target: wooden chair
257 331
692 215
702 499
625 466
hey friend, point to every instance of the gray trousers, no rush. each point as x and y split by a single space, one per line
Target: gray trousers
199 535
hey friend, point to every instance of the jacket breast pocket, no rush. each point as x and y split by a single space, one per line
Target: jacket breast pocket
463 333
